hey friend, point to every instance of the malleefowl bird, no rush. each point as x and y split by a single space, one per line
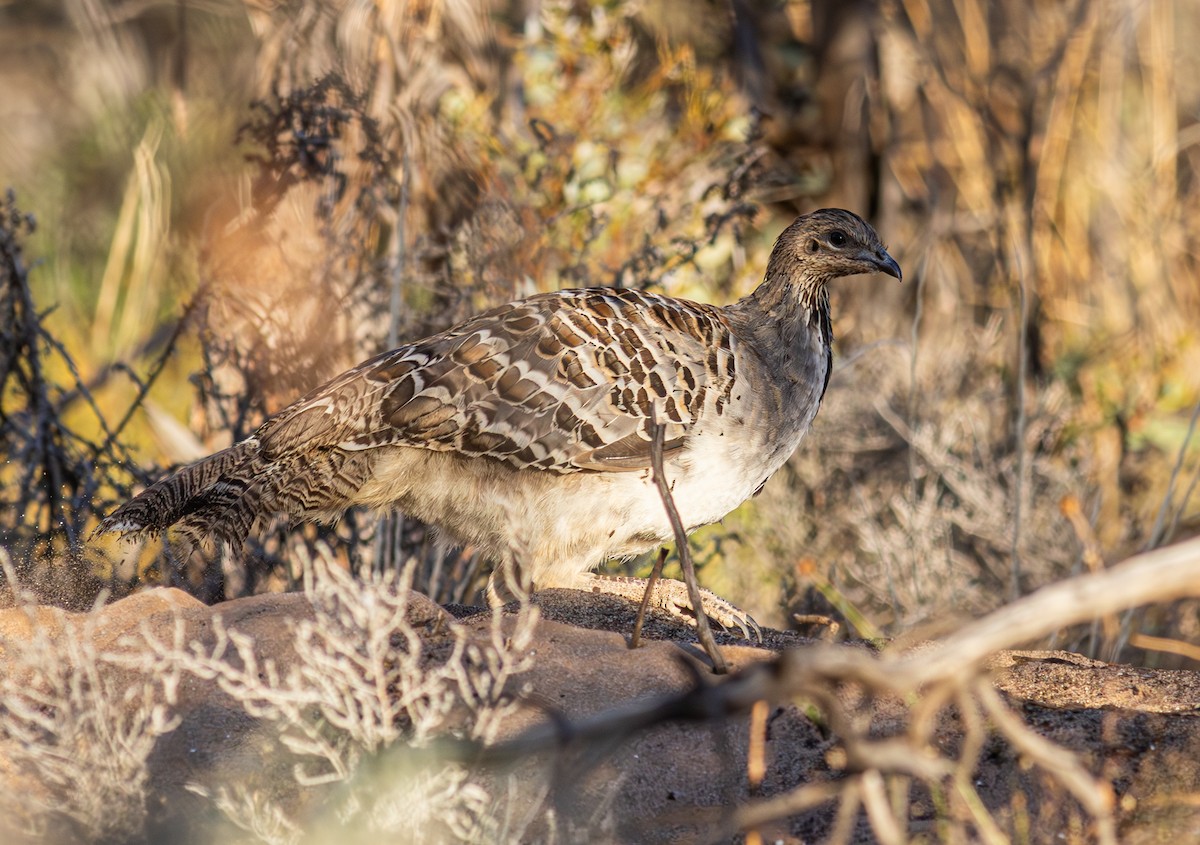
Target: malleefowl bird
528 426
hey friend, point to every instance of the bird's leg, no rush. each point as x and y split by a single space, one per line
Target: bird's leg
672 596
635 639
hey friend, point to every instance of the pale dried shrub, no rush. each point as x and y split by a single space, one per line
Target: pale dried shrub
252 813
74 735
361 679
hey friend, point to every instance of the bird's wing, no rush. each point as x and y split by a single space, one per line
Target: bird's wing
562 382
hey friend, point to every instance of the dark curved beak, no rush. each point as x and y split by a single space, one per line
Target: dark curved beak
884 263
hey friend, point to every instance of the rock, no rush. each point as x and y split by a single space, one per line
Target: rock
671 782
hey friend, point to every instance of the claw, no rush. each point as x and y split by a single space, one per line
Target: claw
729 615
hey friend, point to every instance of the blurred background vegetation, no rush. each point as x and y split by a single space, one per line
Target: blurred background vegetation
232 201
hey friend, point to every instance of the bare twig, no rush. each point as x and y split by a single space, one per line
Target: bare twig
1093 559
756 759
913 393
1165 644
974 738
808 571
831 625
1020 257
1163 574
843 823
144 385
883 820
1182 509
806 797
703 631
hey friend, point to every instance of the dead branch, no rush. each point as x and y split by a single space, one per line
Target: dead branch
1156 576
703 631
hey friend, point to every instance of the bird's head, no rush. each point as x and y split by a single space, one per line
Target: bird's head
827 244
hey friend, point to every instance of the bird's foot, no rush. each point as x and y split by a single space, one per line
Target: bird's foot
672 596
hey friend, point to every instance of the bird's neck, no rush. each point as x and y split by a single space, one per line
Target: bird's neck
786 314
788 326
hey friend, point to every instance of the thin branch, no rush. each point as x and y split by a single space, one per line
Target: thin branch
883 820
1161 575
703 631
807 797
155 371
1019 256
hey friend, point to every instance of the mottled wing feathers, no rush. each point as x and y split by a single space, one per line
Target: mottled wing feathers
561 382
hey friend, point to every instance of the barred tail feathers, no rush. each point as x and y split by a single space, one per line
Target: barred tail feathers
220 496
231 494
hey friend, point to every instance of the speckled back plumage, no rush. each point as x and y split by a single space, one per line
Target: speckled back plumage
562 382
528 401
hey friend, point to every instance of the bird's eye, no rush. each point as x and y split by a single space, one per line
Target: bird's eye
837 237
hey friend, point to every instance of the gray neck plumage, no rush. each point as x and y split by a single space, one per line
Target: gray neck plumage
789 322
783 311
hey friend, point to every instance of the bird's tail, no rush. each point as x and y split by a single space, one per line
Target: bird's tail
224 496
229 495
